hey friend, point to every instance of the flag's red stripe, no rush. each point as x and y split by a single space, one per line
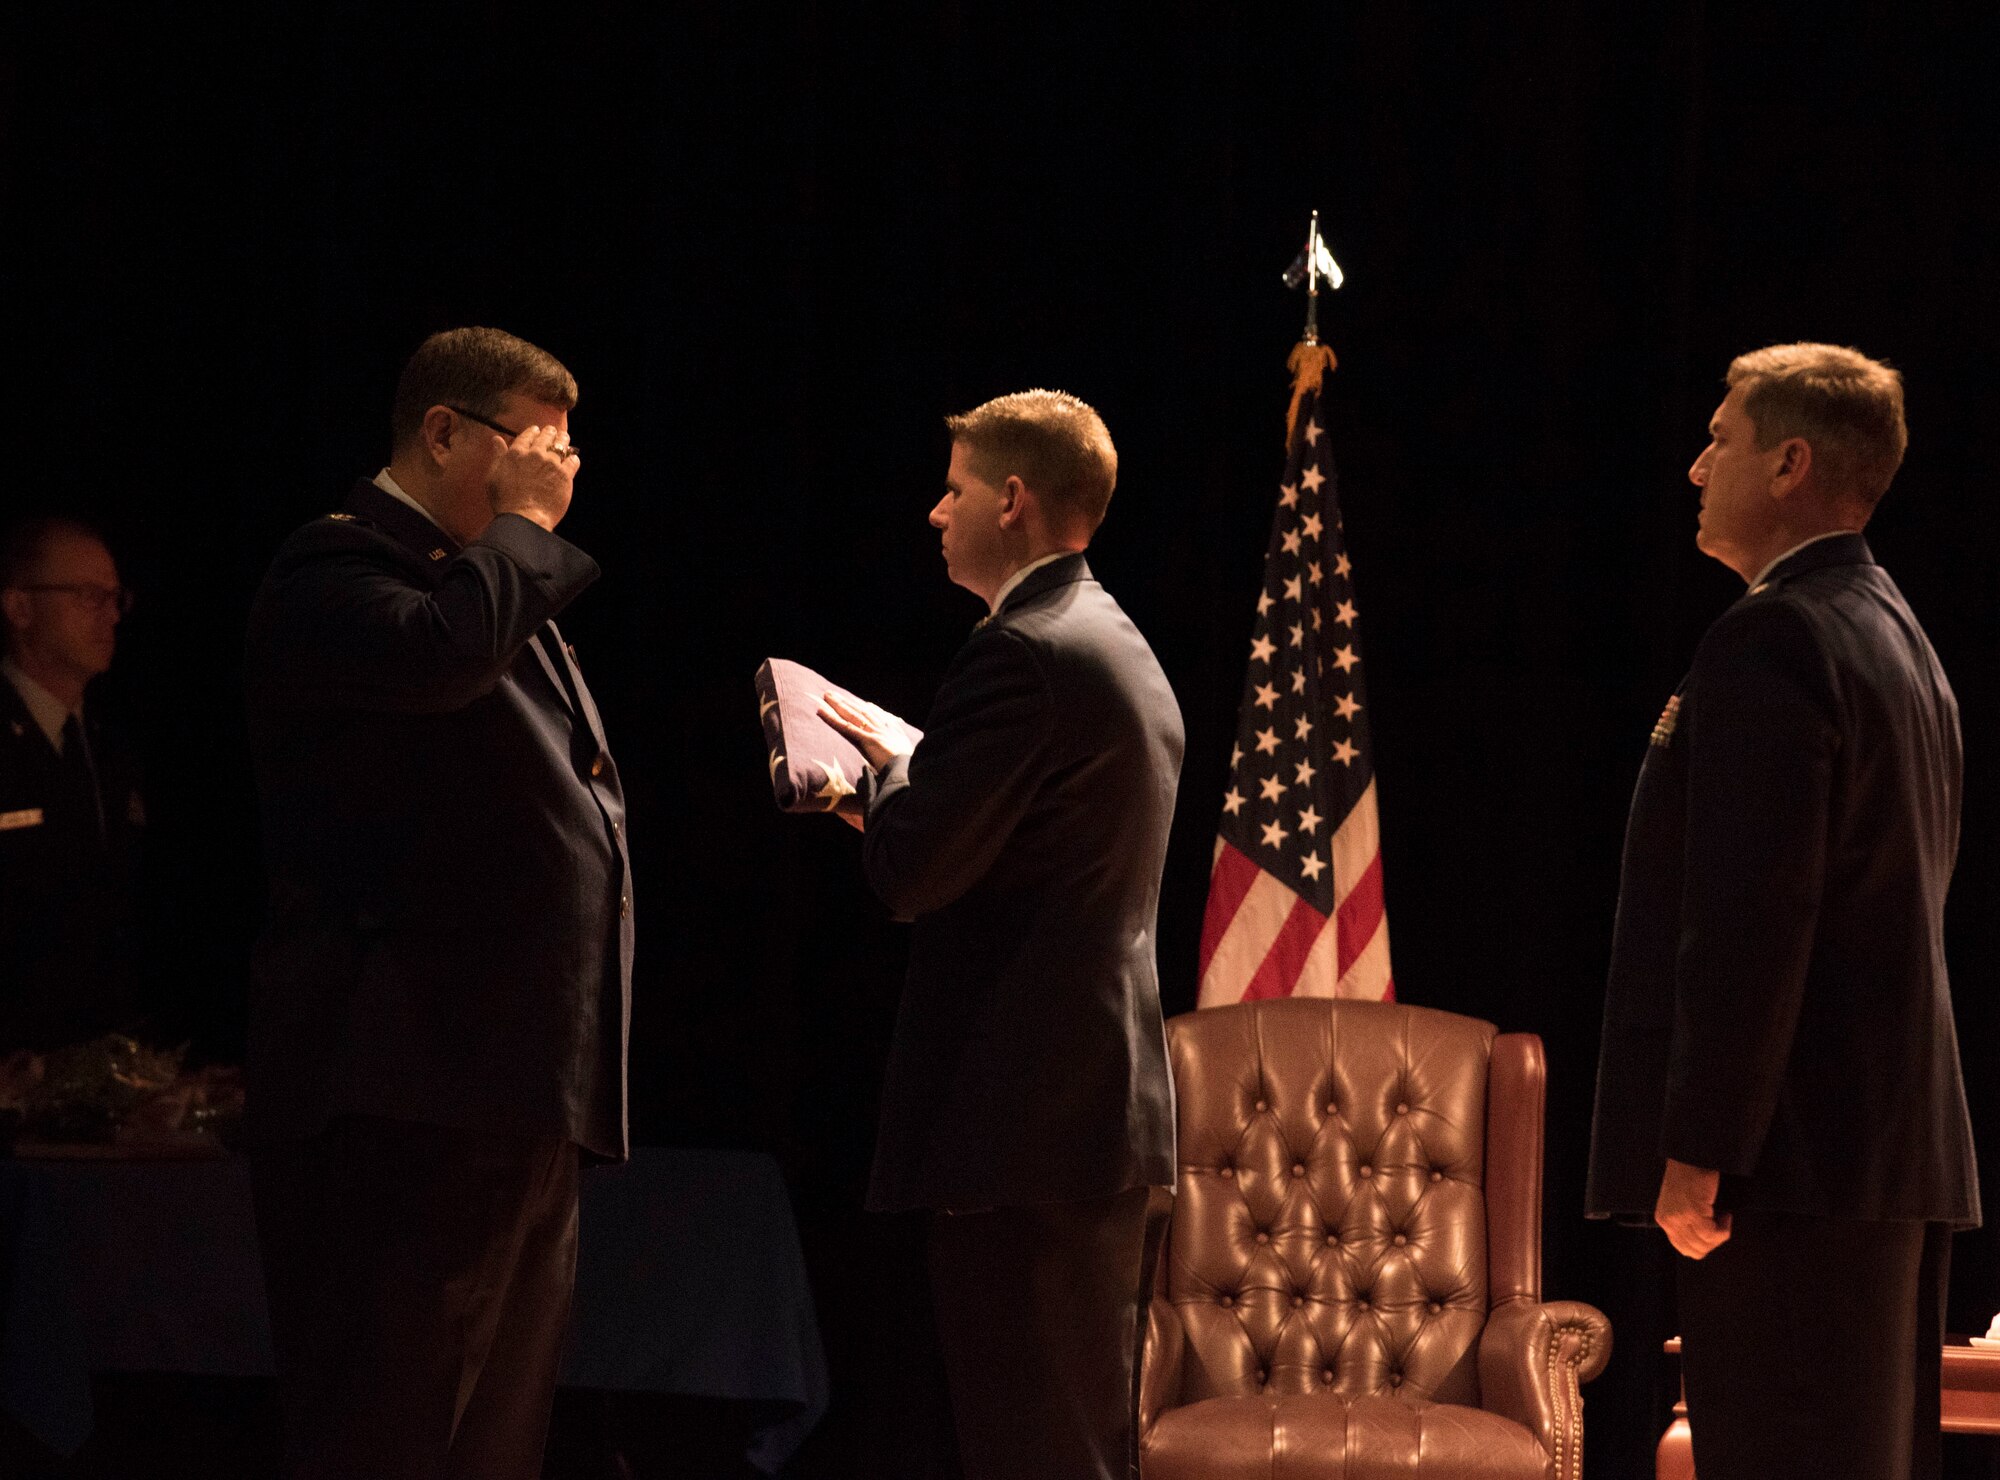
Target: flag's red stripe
1279 971
1360 915
1389 991
1228 884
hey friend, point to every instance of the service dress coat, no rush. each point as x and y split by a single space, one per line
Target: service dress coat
1025 837
450 928
69 873
1778 1007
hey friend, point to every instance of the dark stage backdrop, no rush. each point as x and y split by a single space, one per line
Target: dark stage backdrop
777 243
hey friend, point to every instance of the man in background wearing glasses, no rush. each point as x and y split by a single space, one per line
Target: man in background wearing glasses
440 996
70 814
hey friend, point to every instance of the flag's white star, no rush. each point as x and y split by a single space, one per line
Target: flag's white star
1310 526
837 785
1298 680
1274 835
1346 614
1288 495
777 760
1312 434
1347 706
1340 565
1267 697
1313 478
1306 772
1292 589
1263 602
1232 801
766 707
1345 753
1311 866
1261 650
1315 619
1344 658
1313 574
1235 756
1291 542
1267 742
1305 727
1309 821
1298 635
1272 788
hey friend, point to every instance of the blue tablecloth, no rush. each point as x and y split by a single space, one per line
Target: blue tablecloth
689 1280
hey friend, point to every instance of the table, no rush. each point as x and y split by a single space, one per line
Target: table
1970 1404
689 1280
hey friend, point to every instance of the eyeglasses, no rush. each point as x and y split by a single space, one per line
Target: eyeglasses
97 598
486 421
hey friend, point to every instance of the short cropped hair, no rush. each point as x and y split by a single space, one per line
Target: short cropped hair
1051 441
23 545
475 369
1847 407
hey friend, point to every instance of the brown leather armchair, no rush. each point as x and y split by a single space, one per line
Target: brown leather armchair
1352 1279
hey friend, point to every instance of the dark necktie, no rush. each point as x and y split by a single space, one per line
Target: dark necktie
81 773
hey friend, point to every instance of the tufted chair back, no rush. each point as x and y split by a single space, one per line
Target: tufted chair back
1359 1196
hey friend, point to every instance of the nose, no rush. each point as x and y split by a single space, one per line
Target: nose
940 513
1698 469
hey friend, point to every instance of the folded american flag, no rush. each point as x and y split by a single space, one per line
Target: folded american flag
813 767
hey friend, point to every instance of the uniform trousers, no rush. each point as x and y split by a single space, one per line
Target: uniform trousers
1041 1311
419 1279
1810 1348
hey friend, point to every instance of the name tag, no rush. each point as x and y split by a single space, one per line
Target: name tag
26 817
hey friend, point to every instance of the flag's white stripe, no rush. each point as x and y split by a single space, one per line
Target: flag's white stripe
1247 941
1355 846
1369 975
1322 966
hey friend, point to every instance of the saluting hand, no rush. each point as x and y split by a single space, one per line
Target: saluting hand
534 475
879 735
1686 1210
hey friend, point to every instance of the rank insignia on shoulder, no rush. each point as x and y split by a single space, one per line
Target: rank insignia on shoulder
437 554
343 518
1663 727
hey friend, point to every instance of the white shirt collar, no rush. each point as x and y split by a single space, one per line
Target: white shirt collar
1022 574
1765 574
394 489
49 712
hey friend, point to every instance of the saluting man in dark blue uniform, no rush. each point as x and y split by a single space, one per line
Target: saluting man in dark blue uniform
441 995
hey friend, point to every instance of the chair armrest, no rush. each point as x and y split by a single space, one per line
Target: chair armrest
1533 1356
1160 1363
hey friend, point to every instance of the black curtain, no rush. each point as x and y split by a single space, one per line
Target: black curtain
777 243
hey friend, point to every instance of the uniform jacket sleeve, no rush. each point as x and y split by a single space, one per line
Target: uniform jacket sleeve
1762 734
343 625
938 819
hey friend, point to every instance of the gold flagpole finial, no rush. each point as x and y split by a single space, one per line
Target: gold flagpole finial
1310 360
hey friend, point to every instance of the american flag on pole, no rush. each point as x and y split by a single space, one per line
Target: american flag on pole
1295 902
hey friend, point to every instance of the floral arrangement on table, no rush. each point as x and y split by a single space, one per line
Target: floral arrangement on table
116 1092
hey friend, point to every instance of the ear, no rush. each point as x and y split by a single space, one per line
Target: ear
1013 502
15 604
440 433
1793 467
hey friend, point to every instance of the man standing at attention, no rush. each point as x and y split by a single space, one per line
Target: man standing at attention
442 991
1027 1103
1780 1085
70 814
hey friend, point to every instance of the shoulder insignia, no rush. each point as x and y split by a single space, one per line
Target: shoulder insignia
343 518
437 554
1760 588
1663 728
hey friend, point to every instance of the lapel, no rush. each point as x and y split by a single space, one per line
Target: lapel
1840 549
423 539
1063 572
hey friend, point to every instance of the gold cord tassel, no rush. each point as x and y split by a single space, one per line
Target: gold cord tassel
1309 364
